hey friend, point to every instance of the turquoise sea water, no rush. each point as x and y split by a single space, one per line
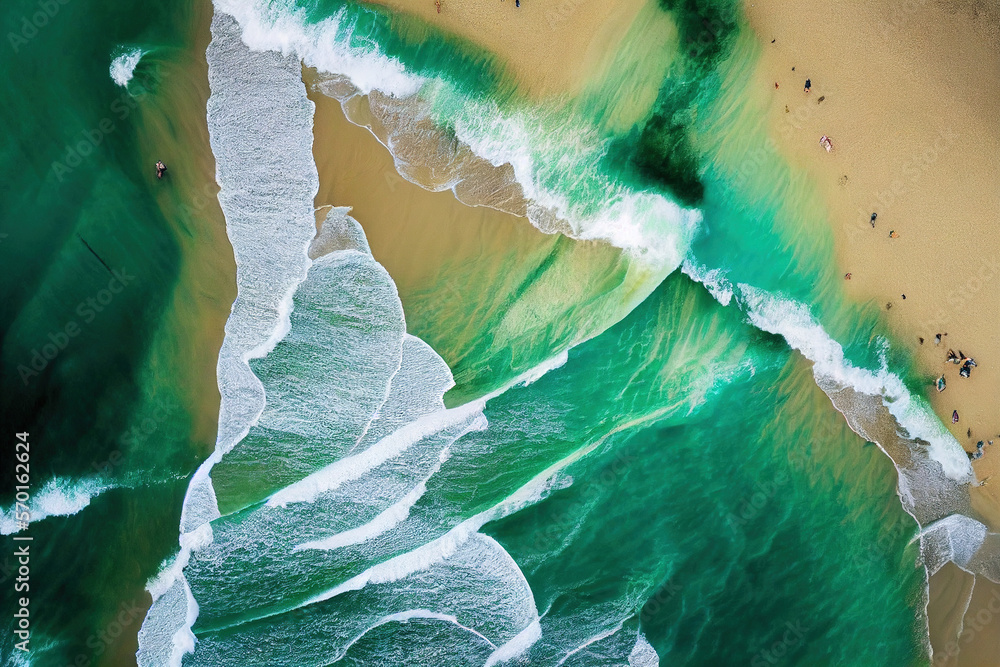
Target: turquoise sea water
636 463
90 326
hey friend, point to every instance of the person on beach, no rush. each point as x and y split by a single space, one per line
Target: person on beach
161 169
874 215
952 357
825 142
808 85
954 416
893 234
847 276
940 384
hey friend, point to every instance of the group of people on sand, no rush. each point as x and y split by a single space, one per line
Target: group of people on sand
978 454
959 359
824 141
967 363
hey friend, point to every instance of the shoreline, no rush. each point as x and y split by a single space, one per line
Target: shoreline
175 130
881 132
206 286
569 40
908 103
434 246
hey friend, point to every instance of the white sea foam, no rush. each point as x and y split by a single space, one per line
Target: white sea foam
955 538
261 136
517 646
542 150
793 321
410 614
714 280
604 634
172 571
123 65
353 467
643 654
388 519
457 545
536 373
442 548
57 497
381 524
283 27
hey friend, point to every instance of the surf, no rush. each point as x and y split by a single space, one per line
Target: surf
373 548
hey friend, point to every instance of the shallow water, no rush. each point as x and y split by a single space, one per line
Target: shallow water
626 456
98 316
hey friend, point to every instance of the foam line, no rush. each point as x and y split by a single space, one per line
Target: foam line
796 325
793 322
517 646
410 614
443 547
592 640
386 520
58 497
353 467
260 128
643 654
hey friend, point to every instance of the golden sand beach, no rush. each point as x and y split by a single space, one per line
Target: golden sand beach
459 268
909 94
908 103
175 130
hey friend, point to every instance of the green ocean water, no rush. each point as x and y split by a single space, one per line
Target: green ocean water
674 487
91 331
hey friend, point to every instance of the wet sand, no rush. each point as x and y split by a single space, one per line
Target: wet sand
912 98
549 48
174 129
483 287
910 105
965 619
